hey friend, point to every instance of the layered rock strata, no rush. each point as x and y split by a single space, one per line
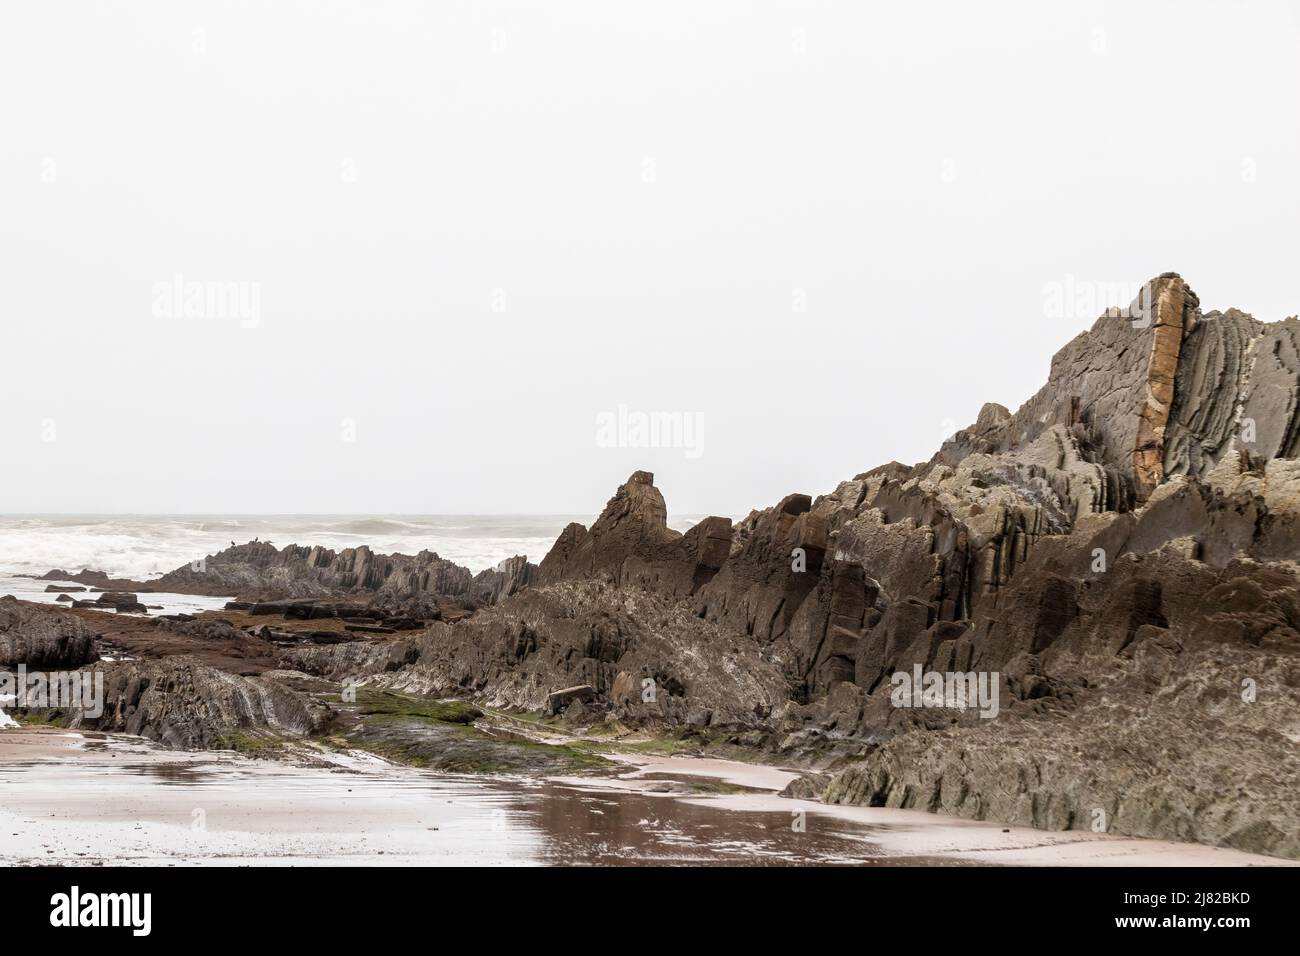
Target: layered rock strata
259 570
1098 550
1118 560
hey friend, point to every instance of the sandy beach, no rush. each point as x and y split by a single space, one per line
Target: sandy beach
89 799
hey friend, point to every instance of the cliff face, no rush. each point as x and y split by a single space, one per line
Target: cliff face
1120 553
1158 390
1237 385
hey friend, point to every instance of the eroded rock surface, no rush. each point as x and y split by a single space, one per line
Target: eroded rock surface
189 706
42 640
644 657
1106 552
260 570
1118 560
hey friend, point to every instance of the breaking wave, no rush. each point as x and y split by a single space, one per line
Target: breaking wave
144 546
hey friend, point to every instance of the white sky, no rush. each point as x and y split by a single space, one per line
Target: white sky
647 185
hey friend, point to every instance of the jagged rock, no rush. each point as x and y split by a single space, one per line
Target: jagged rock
375 620
562 700
509 577
260 569
1116 383
1142 507
42 640
352 661
1120 557
646 658
97 580
807 786
189 706
1209 388
1187 760
631 543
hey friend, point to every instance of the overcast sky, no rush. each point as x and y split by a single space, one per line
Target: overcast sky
820 234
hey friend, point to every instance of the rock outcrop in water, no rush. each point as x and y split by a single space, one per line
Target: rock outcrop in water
259 570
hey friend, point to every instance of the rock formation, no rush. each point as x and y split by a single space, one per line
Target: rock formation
640 654
631 543
258 570
42 641
1118 561
187 705
1119 555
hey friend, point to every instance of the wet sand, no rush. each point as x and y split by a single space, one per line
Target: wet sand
87 799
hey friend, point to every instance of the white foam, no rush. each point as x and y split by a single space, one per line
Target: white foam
28 589
145 546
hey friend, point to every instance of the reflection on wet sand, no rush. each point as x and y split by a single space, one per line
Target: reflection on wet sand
630 828
171 773
120 800
65 798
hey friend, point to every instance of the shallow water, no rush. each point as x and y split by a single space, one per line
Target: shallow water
79 799
116 799
140 547
28 589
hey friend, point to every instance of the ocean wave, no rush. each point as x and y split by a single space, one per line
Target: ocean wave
373 526
146 546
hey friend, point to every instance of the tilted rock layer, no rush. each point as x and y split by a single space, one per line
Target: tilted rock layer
1119 556
187 705
1118 559
41 640
261 570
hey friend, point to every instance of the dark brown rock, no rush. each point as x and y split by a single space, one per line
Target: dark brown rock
188 706
42 639
560 700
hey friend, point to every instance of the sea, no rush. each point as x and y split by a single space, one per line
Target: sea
141 547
